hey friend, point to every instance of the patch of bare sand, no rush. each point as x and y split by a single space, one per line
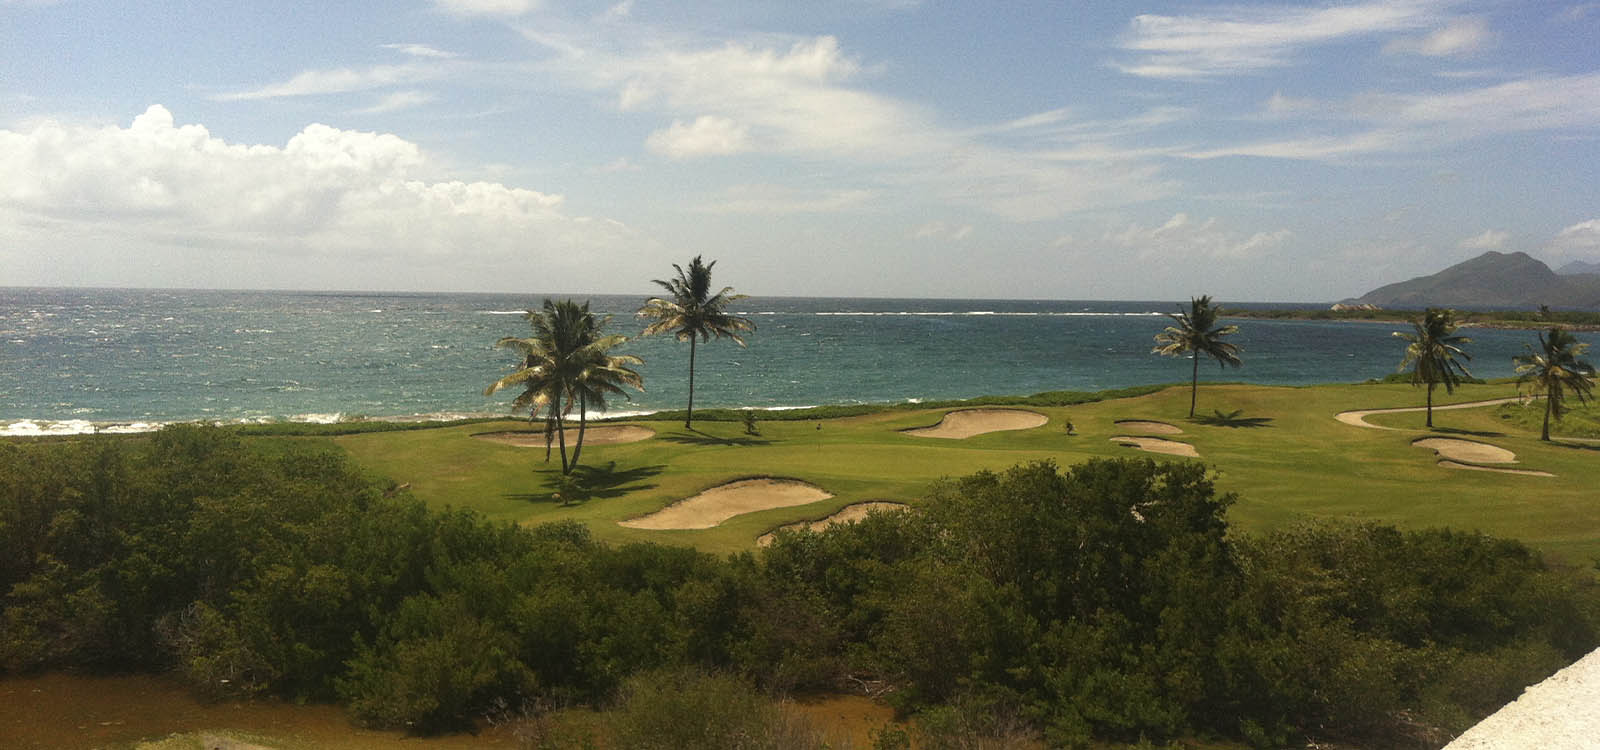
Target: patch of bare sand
847 514
1157 445
1467 451
723 502
1153 428
1448 464
600 434
966 423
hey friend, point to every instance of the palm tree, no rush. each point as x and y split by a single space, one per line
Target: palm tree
1553 370
1195 334
566 363
692 313
1432 353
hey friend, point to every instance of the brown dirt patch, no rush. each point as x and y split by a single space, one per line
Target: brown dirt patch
723 502
1467 451
966 423
600 434
1157 445
1448 464
847 514
1152 428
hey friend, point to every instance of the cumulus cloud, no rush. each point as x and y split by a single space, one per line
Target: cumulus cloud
1490 239
1182 238
325 192
708 135
1579 240
1460 36
1249 39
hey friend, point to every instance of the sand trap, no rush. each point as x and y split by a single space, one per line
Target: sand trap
1153 428
723 502
968 422
600 434
1556 713
1358 418
1467 451
847 514
1448 464
1157 445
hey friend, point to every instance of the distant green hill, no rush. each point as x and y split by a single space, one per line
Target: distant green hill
1579 266
1492 280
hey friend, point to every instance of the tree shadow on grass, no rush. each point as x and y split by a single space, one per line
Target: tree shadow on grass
696 437
1232 419
1474 433
590 483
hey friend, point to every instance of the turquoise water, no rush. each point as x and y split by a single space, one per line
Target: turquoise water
75 359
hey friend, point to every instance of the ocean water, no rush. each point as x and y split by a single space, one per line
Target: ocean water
77 360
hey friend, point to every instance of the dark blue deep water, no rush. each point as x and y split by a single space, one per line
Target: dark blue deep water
71 359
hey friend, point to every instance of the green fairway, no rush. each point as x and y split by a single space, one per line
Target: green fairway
1279 448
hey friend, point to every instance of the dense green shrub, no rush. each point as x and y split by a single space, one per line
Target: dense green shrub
1108 601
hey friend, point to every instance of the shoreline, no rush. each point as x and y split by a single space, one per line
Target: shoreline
1466 321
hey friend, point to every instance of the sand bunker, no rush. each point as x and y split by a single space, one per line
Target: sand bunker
1157 445
601 434
847 514
1152 428
1448 464
723 502
968 422
1467 451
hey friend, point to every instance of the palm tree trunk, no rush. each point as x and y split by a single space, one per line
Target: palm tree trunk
583 420
1430 405
561 434
1549 403
1194 384
688 420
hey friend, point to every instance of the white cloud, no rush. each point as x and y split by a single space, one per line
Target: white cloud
1460 36
1580 240
795 98
397 101
1245 40
486 7
421 50
708 135
1182 238
939 230
1406 122
777 199
619 12
1490 239
339 81
326 192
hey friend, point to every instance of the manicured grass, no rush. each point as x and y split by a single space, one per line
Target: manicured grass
1282 452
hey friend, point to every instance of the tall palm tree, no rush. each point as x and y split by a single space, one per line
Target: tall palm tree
1195 334
1553 370
1432 351
690 312
566 363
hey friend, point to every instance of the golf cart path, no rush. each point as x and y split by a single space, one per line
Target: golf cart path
1358 417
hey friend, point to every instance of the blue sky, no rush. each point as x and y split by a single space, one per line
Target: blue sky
1061 150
